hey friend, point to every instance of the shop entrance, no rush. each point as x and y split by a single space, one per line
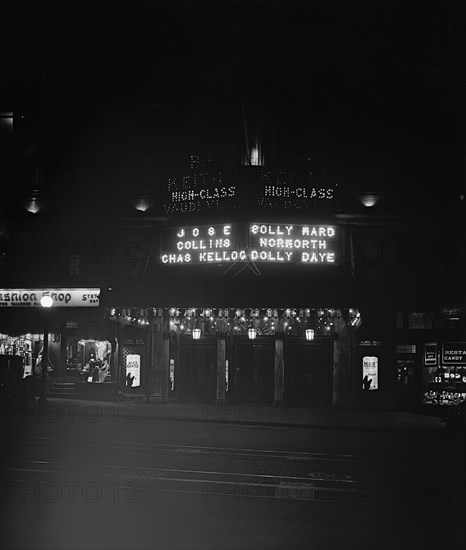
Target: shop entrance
254 373
197 373
308 373
408 381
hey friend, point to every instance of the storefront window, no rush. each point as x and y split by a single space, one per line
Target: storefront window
30 347
19 345
420 320
94 360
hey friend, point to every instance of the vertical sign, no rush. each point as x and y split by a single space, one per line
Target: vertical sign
226 375
430 354
133 371
370 367
172 374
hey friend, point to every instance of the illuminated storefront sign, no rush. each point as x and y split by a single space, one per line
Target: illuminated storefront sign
133 371
430 354
370 367
63 297
259 242
454 353
309 244
453 311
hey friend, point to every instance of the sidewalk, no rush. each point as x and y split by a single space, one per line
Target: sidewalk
263 414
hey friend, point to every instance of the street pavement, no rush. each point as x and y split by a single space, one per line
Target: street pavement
104 475
256 413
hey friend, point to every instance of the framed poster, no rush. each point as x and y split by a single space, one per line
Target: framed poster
370 367
133 371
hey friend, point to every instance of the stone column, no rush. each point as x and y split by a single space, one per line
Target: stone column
279 371
165 378
155 361
61 367
336 370
221 370
342 362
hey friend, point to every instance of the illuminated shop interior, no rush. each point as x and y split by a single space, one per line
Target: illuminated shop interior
89 360
30 347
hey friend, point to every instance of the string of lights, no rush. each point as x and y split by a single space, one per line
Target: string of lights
237 321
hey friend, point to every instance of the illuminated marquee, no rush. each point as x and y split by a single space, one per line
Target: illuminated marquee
285 243
204 244
257 242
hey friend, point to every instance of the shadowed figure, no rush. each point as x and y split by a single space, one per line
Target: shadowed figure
366 383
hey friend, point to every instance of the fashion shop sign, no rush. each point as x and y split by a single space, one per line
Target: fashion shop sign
63 297
278 243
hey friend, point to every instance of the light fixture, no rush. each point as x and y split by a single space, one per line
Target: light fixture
196 333
252 333
309 334
46 301
369 199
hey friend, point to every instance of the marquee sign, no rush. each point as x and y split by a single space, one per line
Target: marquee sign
257 242
203 188
203 244
63 297
285 243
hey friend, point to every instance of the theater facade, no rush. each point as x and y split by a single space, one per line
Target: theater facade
255 285
240 312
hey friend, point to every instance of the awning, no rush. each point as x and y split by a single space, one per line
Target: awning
247 291
18 321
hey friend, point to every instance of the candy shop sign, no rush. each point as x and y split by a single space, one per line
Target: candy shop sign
76 297
454 353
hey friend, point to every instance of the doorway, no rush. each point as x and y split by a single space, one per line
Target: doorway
308 373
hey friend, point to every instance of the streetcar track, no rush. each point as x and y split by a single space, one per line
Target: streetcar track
158 470
224 496
262 453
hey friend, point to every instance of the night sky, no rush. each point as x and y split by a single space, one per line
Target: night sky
373 91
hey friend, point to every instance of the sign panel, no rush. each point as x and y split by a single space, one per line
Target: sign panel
454 353
370 343
203 187
291 243
208 244
278 243
133 371
453 311
370 367
63 297
430 354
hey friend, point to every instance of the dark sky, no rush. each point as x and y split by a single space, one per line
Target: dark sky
372 89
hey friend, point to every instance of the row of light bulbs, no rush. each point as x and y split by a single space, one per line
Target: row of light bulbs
252 334
265 313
